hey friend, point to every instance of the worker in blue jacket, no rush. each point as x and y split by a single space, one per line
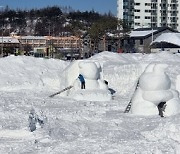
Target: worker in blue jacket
81 78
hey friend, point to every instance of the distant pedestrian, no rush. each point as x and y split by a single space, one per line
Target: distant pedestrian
161 108
81 78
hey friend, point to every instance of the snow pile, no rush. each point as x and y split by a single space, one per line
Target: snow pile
116 59
155 87
164 56
21 72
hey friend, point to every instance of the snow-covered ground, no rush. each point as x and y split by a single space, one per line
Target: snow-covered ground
83 127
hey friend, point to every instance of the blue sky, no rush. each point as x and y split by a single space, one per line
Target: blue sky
100 6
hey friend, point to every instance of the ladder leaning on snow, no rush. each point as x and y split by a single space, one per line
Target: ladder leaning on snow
67 88
128 107
129 104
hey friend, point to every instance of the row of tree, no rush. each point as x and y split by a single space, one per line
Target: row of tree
56 21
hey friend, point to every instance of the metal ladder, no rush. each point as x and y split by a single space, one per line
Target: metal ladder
67 88
128 107
130 103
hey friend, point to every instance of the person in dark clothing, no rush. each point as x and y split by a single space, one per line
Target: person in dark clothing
161 108
106 82
81 78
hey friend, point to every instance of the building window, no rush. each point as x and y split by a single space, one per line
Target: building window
147 4
147 10
136 10
137 24
154 6
147 17
137 4
137 17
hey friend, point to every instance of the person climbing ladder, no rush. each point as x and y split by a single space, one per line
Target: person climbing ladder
81 78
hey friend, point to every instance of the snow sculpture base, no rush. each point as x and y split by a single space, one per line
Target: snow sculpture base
92 95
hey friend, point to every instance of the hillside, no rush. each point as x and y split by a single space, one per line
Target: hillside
55 21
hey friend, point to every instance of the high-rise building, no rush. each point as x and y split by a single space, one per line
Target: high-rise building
150 13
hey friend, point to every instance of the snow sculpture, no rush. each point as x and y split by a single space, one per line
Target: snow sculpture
92 74
155 87
96 89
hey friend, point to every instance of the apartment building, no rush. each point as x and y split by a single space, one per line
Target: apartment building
150 13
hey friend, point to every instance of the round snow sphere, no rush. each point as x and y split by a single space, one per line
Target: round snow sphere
154 82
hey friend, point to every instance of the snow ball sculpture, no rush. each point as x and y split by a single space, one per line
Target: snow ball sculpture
92 74
95 87
154 88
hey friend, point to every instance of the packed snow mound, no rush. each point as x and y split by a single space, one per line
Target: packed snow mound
126 58
154 88
22 72
163 56
116 58
94 83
